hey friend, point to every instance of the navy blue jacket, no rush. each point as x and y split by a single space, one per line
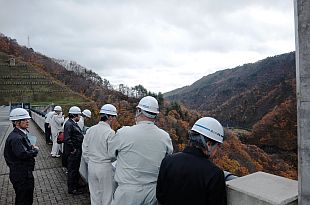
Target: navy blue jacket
18 152
189 177
73 135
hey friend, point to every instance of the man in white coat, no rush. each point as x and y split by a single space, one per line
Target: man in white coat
56 124
139 150
95 152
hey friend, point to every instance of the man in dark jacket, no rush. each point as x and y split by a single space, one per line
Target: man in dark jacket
19 156
73 148
189 177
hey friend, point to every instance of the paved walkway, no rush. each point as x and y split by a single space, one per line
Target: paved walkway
50 180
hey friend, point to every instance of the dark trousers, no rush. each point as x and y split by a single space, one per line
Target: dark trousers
48 132
23 184
73 166
64 156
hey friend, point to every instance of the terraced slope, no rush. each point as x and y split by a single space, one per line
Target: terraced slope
24 83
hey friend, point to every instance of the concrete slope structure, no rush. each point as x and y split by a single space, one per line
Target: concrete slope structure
21 82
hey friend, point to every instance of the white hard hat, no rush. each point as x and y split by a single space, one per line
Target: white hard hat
210 128
19 114
87 113
149 104
57 108
108 109
74 110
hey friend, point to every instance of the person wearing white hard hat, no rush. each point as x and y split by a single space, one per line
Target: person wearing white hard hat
19 155
189 177
95 152
56 123
139 150
81 123
73 149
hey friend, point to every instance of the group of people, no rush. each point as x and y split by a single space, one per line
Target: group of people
54 124
135 165
74 130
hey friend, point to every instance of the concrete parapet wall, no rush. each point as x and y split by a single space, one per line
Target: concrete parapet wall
38 119
262 189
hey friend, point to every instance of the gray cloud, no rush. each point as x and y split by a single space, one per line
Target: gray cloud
161 44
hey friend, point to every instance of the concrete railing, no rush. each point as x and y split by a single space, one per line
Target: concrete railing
38 118
261 188
255 189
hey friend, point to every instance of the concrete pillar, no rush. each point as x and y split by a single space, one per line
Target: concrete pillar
302 38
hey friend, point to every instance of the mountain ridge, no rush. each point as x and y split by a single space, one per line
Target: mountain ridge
223 87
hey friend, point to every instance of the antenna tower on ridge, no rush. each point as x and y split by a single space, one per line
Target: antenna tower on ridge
28 44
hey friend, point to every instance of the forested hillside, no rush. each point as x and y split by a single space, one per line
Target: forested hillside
175 118
259 97
243 95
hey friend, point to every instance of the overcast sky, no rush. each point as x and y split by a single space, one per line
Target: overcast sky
161 44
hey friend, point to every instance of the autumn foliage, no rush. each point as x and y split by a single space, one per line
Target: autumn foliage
242 159
267 109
